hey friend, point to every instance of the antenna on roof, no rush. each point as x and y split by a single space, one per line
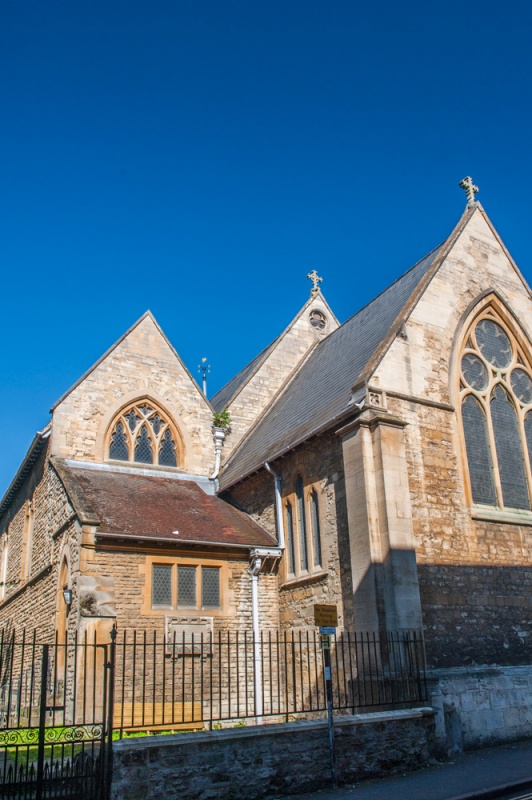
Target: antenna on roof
204 369
470 189
315 278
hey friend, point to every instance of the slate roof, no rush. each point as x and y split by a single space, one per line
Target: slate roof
320 391
153 507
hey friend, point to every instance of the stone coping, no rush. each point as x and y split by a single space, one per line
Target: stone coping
304 725
478 670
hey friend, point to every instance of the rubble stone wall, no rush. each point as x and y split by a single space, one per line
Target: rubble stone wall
271 760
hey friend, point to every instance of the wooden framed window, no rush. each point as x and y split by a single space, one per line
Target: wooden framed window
142 433
184 586
496 413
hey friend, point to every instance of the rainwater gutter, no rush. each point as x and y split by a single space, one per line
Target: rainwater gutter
278 505
218 434
258 558
255 568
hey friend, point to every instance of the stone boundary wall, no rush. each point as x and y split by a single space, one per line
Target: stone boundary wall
270 760
480 706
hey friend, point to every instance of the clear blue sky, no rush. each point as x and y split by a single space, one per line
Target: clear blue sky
199 158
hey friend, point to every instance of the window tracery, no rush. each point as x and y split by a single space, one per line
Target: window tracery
496 409
143 434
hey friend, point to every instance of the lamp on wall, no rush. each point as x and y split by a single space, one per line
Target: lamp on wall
67 596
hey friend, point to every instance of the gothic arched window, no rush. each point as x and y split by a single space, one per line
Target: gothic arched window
141 433
496 406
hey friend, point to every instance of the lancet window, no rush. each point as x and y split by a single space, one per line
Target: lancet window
302 528
143 434
496 407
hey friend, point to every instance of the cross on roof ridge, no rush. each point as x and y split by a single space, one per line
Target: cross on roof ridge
315 278
470 189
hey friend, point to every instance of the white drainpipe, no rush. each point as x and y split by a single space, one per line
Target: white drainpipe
255 569
257 557
278 505
218 434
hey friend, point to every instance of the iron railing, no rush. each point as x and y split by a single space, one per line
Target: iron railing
60 702
54 718
206 680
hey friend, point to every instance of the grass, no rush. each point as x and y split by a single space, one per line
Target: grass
26 750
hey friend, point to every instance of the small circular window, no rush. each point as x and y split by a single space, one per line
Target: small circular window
318 319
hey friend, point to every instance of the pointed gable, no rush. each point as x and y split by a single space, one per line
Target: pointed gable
141 365
321 391
254 387
426 304
419 364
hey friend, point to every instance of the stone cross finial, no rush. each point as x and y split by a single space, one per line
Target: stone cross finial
315 278
470 189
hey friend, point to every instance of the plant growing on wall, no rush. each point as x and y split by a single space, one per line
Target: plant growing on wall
222 419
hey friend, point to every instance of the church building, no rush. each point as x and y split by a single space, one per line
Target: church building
382 465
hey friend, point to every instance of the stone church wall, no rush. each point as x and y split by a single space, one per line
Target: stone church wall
273 373
474 575
319 462
141 365
125 570
31 601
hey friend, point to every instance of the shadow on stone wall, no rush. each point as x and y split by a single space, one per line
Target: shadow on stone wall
471 615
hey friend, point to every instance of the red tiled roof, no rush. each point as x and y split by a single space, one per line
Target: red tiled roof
154 507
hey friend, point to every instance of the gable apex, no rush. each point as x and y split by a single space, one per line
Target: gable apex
146 316
227 394
316 398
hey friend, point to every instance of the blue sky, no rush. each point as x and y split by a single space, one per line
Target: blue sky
199 158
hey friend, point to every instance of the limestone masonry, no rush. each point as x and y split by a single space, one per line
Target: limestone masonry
382 465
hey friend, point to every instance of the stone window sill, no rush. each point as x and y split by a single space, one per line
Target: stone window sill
302 580
512 516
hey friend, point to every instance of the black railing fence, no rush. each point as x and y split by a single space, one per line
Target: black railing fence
61 702
54 713
202 681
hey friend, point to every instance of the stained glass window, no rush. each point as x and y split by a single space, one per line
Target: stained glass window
493 343
496 400
509 451
186 587
316 537
478 452
142 434
143 453
118 448
167 451
302 524
210 587
474 372
528 435
161 585
522 385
